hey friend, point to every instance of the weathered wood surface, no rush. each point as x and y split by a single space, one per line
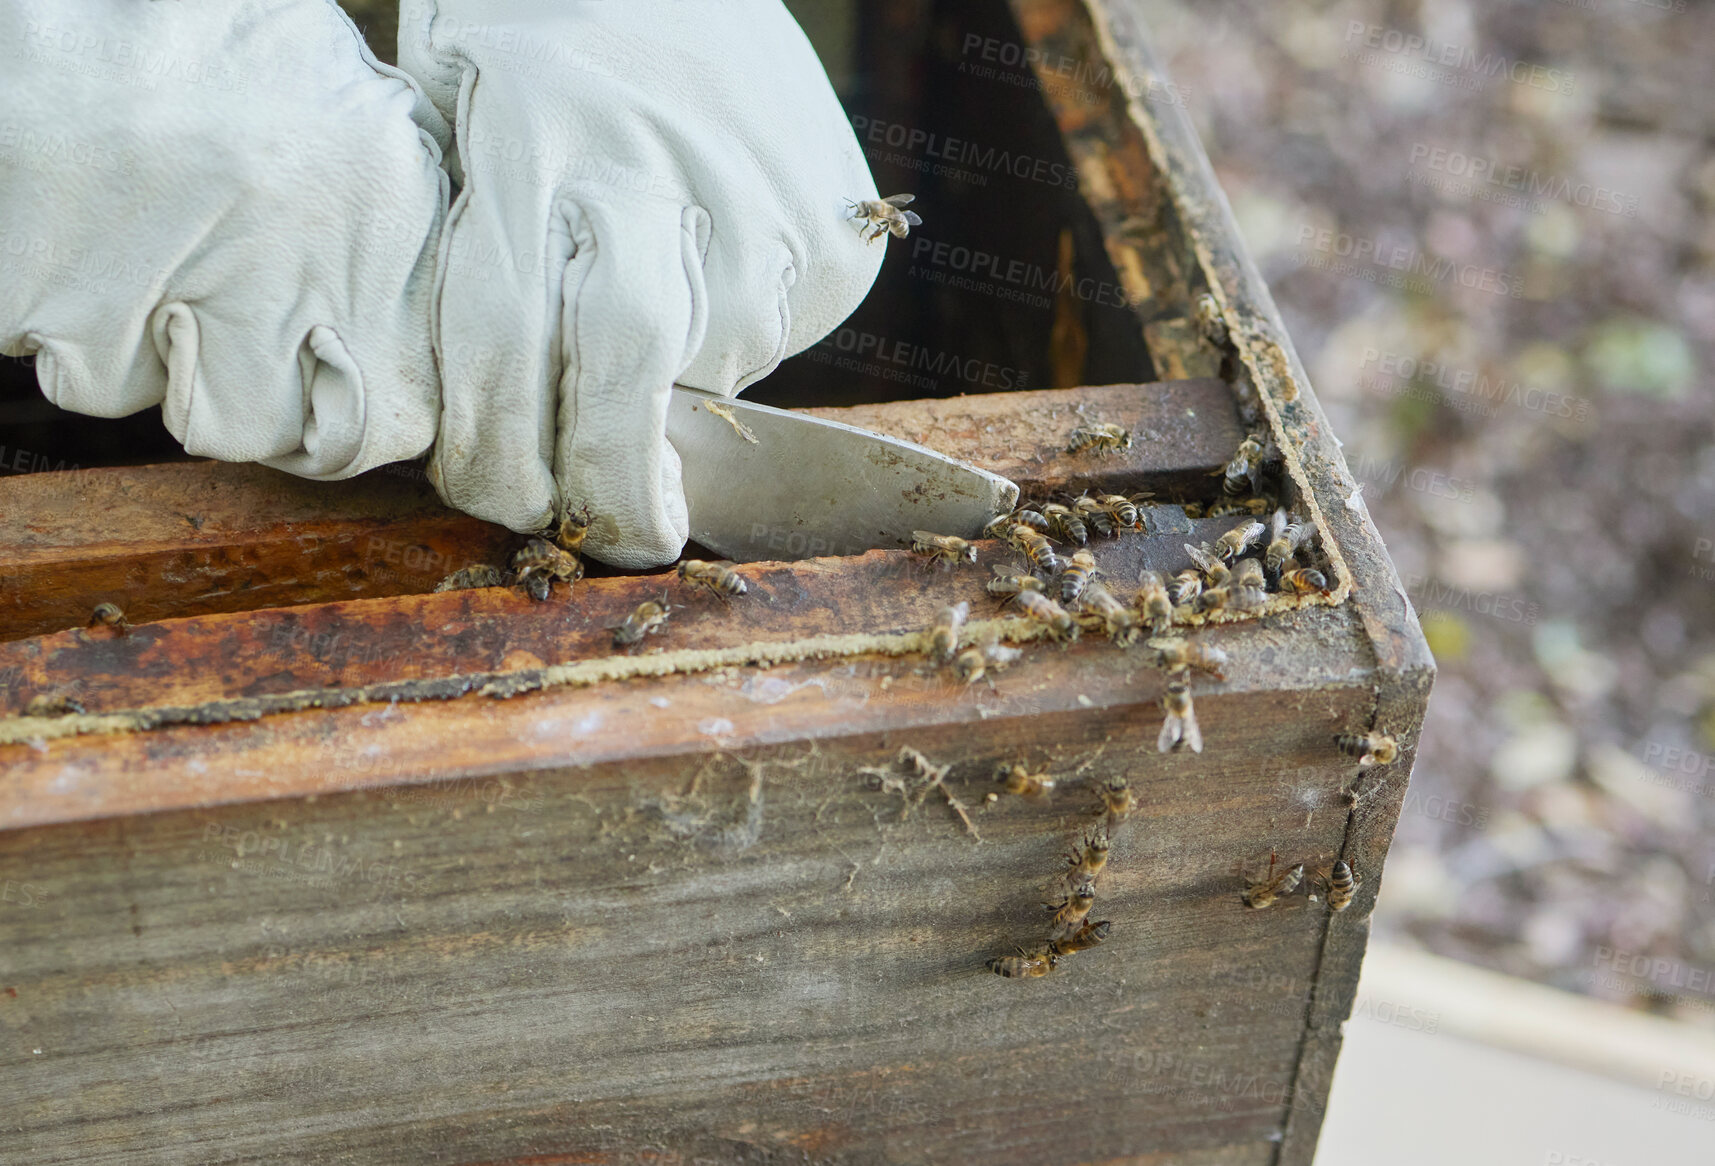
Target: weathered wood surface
200 538
606 957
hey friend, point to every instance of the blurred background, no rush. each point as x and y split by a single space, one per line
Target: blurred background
1524 396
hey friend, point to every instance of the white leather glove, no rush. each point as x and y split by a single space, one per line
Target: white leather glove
652 191
223 207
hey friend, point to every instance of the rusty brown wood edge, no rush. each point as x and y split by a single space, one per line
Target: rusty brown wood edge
494 642
335 745
201 538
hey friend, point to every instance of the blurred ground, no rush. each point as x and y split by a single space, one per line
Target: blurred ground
1520 381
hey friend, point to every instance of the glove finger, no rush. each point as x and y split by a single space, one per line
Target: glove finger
632 316
309 421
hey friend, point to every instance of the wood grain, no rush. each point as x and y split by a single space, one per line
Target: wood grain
202 538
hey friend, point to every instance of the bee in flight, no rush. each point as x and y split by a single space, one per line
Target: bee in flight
1024 965
1370 748
1180 726
942 548
540 563
717 579
1262 894
1102 438
646 619
882 215
1086 937
108 615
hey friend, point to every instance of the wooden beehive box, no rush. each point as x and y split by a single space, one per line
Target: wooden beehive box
335 868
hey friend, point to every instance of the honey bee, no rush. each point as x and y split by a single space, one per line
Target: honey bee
1117 800
1103 438
1117 619
1180 726
108 615
477 575
1095 516
1008 582
1238 540
1036 549
1002 526
1088 862
1207 314
1024 965
717 579
1242 471
942 548
1215 572
540 563
1039 607
1285 537
646 619
1248 573
1123 510
1304 581
1177 655
1086 937
1154 602
970 665
1016 779
1261 895
48 705
1232 598
573 528
1369 749
1065 525
1070 912
1342 885
883 215
1261 504
944 632
1186 587
1076 576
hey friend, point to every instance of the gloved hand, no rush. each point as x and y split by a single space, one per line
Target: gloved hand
224 207
652 191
